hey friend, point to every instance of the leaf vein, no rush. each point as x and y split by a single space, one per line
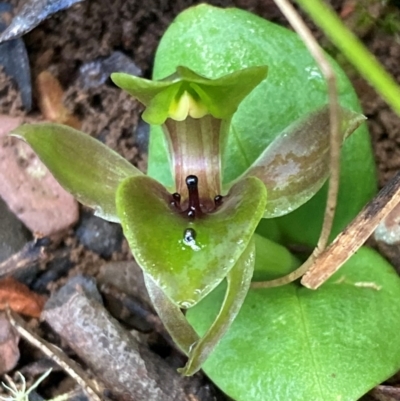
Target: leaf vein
307 337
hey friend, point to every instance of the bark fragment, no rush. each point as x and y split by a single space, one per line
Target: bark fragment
128 369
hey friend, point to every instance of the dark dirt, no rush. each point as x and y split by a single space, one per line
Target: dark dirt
94 29
384 124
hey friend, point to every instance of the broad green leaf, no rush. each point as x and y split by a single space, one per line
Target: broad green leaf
296 164
187 269
84 166
215 42
198 349
291 343
277 258
219 97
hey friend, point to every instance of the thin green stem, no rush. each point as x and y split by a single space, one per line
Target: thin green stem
352 48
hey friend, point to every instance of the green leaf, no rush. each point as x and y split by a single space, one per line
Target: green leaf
187 270
291 343
296 164
84 166
215 42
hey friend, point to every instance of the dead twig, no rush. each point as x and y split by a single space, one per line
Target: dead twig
335 142
386 393
33 252
129 369
354 235
58 356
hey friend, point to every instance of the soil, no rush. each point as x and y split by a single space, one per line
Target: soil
94 29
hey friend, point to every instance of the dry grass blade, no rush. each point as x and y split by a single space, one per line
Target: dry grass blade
318 269
353 237
70 366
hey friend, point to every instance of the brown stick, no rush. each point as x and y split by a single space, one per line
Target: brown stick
126 366
55 354
32 253
334 160
354 235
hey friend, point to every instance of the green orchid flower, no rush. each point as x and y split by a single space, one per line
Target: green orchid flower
189 237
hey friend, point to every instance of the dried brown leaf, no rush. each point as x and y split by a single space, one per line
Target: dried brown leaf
51 103
20 298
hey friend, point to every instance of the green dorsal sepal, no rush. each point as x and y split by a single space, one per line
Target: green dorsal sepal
188 94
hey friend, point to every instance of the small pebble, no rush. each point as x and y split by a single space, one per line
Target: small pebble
95 73
14 59
13 234
387 237
29 189
126 276
32 14
141 136
55 269
130 310
99 235
9 351
82 284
